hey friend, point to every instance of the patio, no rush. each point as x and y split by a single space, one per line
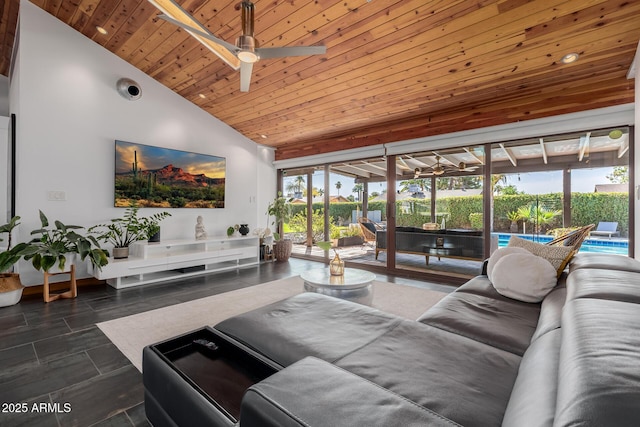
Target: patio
365 254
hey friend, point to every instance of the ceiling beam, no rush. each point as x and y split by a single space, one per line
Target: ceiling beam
584 146
544 151
509 155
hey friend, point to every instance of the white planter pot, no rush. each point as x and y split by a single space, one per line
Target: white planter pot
71 259
10 298
11 289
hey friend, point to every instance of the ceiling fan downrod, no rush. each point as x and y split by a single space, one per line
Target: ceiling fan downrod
246 43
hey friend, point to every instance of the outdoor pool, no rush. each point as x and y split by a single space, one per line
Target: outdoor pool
620 247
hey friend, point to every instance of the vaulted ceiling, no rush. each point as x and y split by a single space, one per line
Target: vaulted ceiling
393 70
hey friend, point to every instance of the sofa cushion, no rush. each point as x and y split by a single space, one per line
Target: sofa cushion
308 324
501 322
551 311
524 277
461 379
599 378
604 284
346 400
533 399
604 261
558 256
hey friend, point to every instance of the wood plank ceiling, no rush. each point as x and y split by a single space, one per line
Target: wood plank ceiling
394 69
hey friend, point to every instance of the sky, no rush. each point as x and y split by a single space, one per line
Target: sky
582 181
155 158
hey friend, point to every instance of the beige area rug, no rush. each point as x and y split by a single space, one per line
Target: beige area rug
132 333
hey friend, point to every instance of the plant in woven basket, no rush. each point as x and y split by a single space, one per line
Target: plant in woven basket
279 209
10 282
11 255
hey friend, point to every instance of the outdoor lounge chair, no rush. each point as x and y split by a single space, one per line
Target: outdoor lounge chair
606 229
369 228
573 238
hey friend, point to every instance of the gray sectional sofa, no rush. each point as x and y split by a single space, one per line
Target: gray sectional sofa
476 358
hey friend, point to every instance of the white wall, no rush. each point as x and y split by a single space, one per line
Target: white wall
4 96
69 114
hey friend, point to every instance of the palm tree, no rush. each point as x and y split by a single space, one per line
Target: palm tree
495 179
338 187
358 189
542 216
296 185
524 213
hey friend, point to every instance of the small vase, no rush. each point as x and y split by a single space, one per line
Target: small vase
336 266
244 229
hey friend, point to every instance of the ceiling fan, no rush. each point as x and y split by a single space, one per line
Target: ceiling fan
245 52
439 169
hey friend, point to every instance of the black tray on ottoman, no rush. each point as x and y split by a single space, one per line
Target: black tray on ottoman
180 377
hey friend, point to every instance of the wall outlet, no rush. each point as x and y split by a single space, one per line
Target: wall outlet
56 196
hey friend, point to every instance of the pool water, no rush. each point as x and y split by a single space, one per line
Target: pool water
619 247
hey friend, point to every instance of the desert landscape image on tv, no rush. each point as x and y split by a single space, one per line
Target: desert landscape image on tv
167 178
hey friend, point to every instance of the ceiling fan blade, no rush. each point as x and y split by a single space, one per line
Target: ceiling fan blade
207 35
281 52
178 16
245 76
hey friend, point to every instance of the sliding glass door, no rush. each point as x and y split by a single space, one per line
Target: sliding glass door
452 207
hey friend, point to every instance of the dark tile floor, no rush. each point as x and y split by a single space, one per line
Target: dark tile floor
58 369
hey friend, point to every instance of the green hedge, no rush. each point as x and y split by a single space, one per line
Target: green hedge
586 208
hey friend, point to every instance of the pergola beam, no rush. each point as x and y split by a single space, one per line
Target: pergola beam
544 151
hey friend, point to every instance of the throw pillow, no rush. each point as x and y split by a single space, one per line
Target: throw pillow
524 277
498 254
558 256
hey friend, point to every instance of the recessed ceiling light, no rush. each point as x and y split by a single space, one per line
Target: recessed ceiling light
569 58
263 136
102 30
202 95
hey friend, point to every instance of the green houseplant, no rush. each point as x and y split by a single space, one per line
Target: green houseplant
279 210
52 245
122 232
10 285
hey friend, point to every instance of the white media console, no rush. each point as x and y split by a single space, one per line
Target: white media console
171 259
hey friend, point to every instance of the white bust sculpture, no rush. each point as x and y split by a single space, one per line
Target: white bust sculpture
201 233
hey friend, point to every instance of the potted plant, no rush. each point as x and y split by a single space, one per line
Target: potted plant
280 211
122 232
51 248
350 237
10 285
514 217
151 225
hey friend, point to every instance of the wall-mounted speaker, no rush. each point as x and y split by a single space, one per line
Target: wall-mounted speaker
129 89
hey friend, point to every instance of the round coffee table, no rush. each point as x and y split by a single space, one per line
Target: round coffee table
355 285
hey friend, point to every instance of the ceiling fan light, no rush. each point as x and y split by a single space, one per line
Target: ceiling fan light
248 56
247 49
438 171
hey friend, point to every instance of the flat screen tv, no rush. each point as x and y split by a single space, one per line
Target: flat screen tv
167 178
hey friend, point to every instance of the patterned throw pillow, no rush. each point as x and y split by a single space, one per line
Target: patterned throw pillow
558 256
